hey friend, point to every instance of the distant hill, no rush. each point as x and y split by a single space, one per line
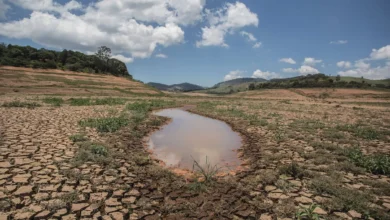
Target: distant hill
30 57
234 85
323 81
182 87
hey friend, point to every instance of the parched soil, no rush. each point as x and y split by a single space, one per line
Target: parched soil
41 81
296 154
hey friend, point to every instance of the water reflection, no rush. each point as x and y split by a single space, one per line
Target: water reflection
190 136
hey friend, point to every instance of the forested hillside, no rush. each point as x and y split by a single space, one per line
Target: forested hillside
26 56
321 81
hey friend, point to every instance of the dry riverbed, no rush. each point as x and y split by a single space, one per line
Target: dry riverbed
74 158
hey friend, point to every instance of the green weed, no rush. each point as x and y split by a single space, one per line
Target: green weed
376 164
19 104
54 101
110 124
78 138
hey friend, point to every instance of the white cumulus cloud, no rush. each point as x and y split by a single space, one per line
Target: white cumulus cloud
288 60
265 74
310 61
303 70
381 53
344 64
123 58
131 28
363 67
228 19
257 45
160 55
233 75
339 42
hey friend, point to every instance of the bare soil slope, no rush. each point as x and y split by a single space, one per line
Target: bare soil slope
39 81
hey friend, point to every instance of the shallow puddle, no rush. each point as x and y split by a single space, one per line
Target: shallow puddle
190 137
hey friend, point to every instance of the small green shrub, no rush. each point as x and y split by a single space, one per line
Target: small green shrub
54 101
19 104
78 138
92 152
105 124
99 150
103 101
208 171
376 164
308 213
361 131
293 170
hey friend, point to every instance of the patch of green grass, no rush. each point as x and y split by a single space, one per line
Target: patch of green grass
343 199
103 101
78 138
147 106
19 104
92 152
208 172
361 131
110 124
307 213
293 170
376 164
309 125
54 101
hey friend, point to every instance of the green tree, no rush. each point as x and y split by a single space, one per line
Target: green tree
104 53
338 78
251 86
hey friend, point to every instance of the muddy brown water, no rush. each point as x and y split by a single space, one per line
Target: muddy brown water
190 137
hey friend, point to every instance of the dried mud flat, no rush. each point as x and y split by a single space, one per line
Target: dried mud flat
294 152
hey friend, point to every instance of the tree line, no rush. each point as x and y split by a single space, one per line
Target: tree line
317 81
26 56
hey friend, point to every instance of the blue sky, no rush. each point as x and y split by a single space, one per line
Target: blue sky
286 29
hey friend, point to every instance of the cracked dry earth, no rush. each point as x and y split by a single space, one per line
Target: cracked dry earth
35 151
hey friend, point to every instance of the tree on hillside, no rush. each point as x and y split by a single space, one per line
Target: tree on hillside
103 53
251 86
338 78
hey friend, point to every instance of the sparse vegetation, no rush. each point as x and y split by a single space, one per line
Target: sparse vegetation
92 152
78 138
101 101
110 124
20 104
307 213
376 164
54 101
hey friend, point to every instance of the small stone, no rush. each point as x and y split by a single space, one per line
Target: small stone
303 200
319 211
42 215
270 188
60 213
342 215
116 215
265 217
5 164
129 200
5 176
112 202
23 214
387 205
133 192
23 190
69 217
354 214
77 207
4 216
274 195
